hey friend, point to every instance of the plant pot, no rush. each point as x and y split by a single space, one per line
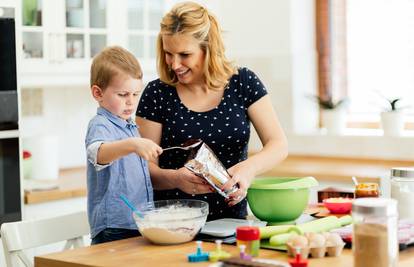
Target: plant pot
392 123
334 121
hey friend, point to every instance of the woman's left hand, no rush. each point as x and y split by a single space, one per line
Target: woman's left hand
242 174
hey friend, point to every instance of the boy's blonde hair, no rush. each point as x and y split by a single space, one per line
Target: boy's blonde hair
112 61
192 18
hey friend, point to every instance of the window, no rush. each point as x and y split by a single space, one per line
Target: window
144 17
370 57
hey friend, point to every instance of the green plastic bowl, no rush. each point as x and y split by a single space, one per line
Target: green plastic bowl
279 199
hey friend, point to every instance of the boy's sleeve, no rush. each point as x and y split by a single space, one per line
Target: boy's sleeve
98 133
92 154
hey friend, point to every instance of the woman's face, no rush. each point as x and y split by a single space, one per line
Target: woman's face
185 57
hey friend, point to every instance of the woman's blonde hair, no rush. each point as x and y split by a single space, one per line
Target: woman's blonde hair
192 18
112 61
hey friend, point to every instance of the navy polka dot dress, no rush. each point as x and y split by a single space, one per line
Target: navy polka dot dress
225 128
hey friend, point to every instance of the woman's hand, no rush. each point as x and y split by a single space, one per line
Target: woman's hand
242 174
190 183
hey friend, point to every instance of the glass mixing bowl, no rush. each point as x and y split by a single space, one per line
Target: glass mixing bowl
169 222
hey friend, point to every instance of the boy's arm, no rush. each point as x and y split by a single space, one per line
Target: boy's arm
114 150
111 151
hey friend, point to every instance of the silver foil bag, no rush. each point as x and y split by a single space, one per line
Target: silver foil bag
204 163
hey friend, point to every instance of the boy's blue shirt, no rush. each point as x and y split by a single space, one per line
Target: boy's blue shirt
129 175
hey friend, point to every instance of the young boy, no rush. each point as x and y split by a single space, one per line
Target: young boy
117 155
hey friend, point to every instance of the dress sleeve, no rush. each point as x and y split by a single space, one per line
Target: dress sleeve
150 104
254 89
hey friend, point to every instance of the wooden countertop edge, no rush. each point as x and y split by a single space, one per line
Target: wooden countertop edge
51 195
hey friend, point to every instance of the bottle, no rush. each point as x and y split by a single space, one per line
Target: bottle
375 239
249 236
402 190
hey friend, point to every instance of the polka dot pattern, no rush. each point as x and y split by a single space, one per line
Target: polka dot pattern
225 128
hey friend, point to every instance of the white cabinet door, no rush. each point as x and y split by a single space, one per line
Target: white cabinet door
60 37
60 40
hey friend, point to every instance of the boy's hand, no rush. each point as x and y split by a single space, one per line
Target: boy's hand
146 148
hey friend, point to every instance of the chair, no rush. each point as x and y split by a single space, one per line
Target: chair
22 235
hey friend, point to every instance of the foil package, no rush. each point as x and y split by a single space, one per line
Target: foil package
204 163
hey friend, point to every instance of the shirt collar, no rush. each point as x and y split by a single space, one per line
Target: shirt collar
116 120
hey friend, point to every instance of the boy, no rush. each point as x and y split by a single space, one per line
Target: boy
117 155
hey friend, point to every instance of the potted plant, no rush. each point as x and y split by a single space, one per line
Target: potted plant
392 118
333 114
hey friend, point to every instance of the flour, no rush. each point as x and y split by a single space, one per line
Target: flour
405 197
171 225
165 236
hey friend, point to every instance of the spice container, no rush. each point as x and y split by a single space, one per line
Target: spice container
375 239
366 190
402 190
250 237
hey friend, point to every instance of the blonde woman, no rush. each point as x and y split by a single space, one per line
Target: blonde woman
201 94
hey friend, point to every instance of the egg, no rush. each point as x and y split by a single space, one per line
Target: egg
316 240
334 240
298 241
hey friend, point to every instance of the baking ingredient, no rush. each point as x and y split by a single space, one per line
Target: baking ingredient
316 240
298 241
366 190
371 245
333 239
159 227
204 163
405 196
165 236
338 200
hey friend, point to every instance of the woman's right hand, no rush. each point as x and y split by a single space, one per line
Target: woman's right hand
146 148
190 183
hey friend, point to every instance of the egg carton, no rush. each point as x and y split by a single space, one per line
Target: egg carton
316 252
316 245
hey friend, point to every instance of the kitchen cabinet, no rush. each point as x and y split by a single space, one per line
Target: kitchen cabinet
60 37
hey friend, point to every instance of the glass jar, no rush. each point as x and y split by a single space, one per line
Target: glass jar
367 190
375 239
402 190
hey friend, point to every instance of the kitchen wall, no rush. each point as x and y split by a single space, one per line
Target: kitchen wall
273 38
65 114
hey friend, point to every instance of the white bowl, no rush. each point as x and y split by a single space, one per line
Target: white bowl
169 222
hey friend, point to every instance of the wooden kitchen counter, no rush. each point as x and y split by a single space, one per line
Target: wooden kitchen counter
139 252
71 183
336 169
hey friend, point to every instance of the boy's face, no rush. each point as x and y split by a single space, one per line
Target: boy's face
121 96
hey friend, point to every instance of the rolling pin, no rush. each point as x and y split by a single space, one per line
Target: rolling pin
317 226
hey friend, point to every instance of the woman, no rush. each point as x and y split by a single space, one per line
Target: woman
200 94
